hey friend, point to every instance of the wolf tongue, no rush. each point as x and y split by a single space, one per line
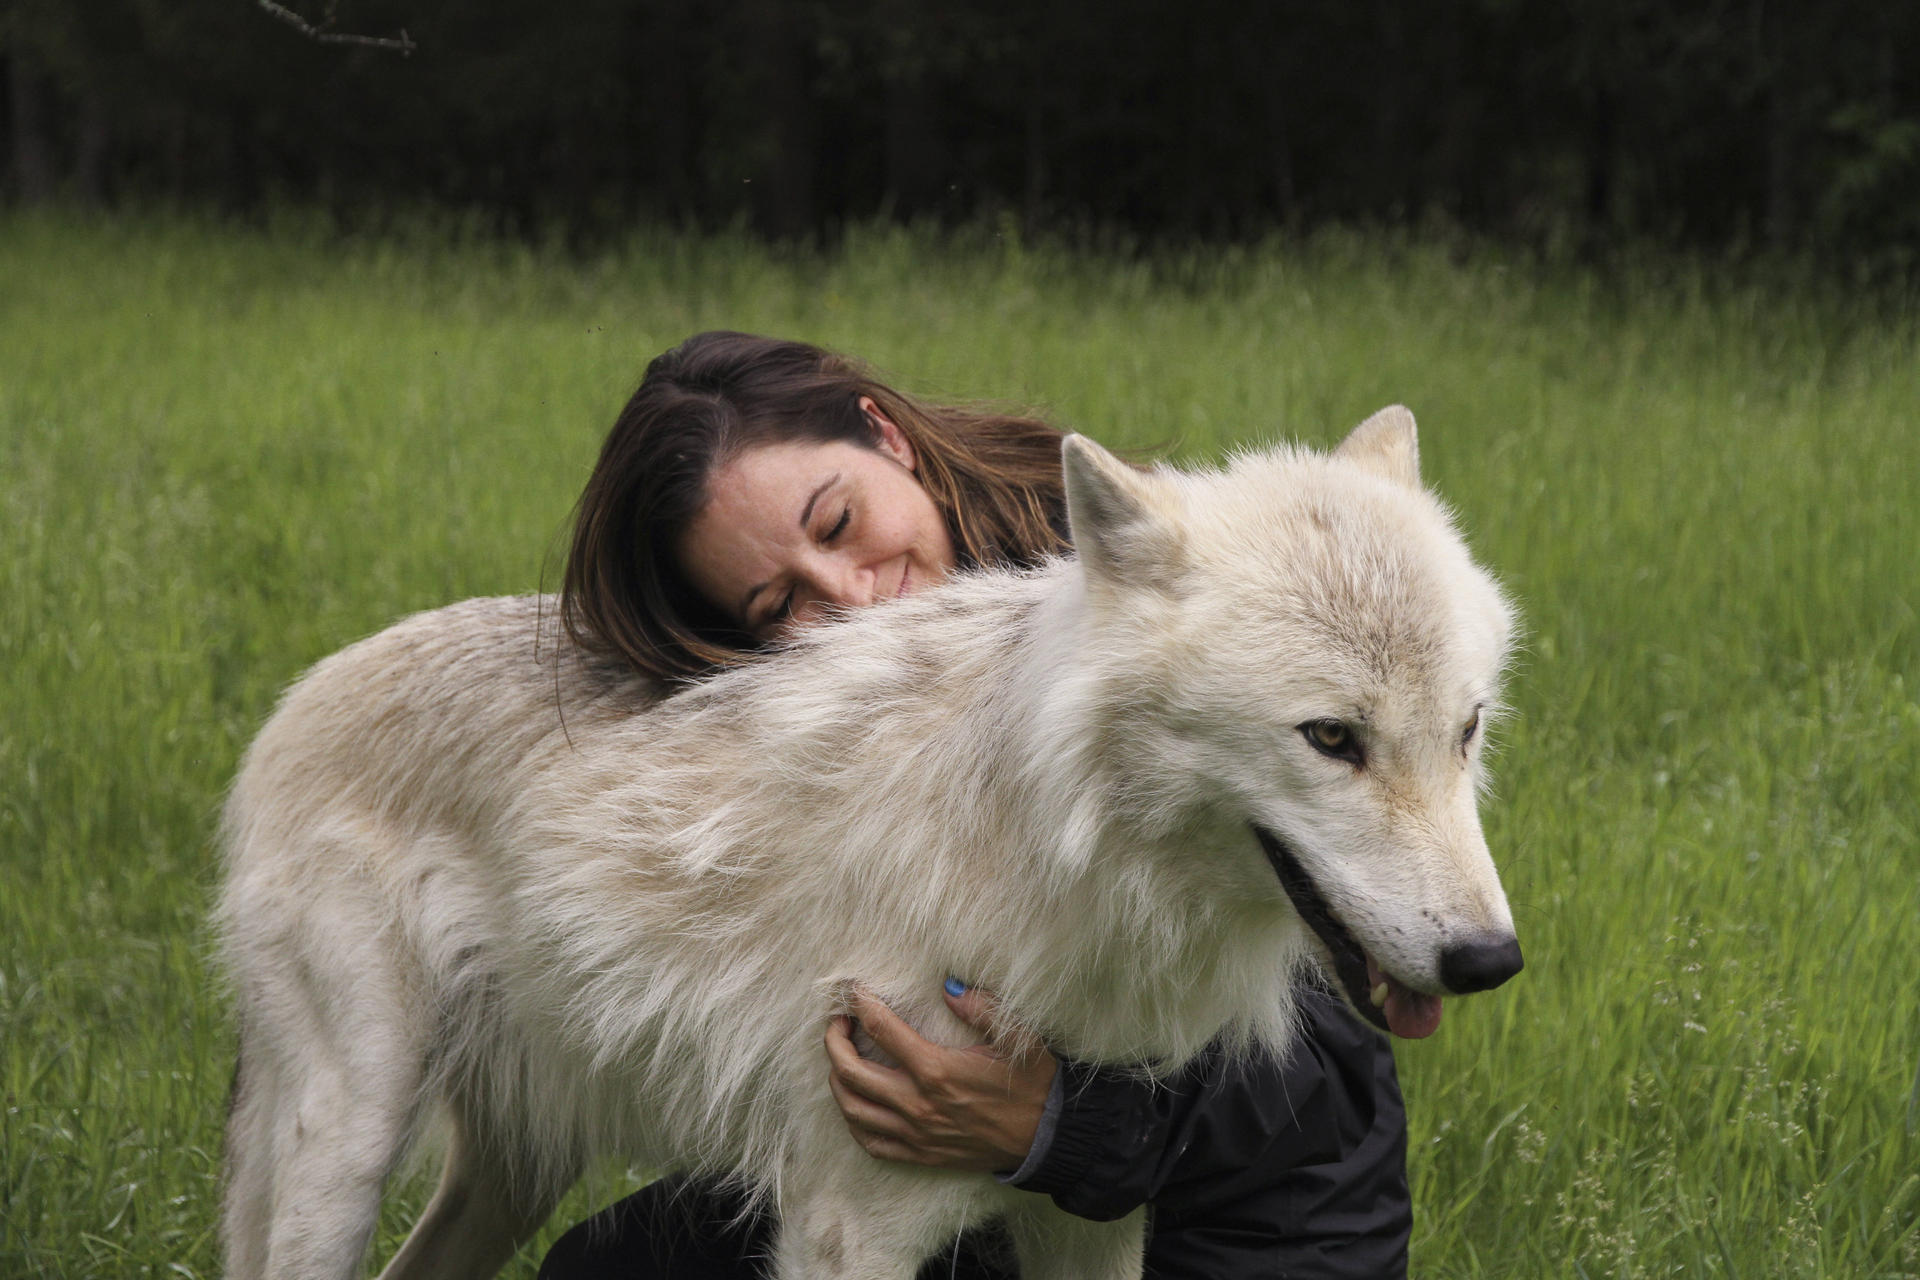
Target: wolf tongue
1410 1014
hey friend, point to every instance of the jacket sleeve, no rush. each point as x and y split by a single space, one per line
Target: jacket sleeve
1245 1159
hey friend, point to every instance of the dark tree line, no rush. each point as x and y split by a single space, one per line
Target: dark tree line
1793 123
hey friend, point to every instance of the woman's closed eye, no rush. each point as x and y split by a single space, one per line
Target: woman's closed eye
782 611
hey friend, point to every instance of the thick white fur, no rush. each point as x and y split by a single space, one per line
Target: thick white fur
470 870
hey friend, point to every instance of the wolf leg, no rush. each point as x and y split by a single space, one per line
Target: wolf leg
247 1214
851 1245
879 1224
477 1218
336 1052
1053 1245
311 1135
336 1135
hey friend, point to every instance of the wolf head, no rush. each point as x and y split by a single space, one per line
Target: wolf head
1318 657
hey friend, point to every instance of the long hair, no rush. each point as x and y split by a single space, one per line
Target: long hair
995 478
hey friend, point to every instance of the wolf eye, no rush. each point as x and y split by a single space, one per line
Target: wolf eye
1333 738
1473 727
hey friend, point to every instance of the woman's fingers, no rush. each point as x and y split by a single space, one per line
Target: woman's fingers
873 1081
971 1005
886 1133
937 1067
977 1007
973 1108
914 1052
884 1111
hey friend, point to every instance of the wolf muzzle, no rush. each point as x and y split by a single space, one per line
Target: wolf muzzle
1478 964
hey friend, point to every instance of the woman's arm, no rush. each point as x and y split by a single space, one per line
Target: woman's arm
1224 1129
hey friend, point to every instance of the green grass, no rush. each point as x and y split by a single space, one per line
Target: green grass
224 454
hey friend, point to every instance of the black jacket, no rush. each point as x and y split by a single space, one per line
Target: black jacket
1252 1169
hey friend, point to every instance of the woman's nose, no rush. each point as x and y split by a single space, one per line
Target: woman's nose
843 584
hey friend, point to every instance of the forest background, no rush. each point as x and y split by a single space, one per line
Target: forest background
1775 124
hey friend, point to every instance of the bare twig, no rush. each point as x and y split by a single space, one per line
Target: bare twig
324 33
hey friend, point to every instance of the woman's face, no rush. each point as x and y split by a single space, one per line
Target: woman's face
790 530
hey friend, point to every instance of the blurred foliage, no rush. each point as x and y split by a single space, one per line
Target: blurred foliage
1784 124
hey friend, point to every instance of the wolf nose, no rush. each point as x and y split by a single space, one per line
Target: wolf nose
1479 965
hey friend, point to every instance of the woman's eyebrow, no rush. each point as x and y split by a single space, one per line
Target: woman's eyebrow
806 512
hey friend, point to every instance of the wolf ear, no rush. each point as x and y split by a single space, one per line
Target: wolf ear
1118 517
1387 445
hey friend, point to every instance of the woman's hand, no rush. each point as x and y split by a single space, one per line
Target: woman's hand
973 1108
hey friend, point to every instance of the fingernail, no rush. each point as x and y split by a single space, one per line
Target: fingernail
955 987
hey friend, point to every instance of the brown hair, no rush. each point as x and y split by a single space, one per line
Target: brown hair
994 476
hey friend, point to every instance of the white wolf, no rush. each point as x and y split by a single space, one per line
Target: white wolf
474 872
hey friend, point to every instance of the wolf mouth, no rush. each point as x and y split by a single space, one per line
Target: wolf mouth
1404 1012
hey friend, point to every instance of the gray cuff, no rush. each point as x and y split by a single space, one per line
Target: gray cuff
1042 1136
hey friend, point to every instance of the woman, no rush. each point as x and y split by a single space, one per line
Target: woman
752 485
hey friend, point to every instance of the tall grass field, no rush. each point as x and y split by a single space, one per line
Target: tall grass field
225 453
